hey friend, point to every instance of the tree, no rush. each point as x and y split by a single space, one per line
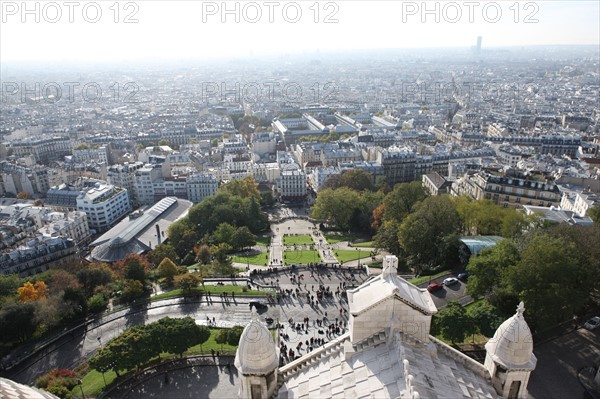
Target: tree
179 334
168 269
23 195
18 321
97 303
33 292
133 267
594 213
429 234
97 274
160 252
59 280
242 238
132 289
378 213
223 234
402 199
229 336
244 188
75 303
550 279
485 318
355 179
187 282
336 206
267 200
183 236
485 270
8 286
220 252
204 254
454 323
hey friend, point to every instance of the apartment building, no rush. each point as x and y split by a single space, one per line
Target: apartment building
104 205
200 186
507 190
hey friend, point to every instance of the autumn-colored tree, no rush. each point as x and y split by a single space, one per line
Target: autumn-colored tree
23 195
132 267
187 281
33 292
378 216
61 280
203 254
167 269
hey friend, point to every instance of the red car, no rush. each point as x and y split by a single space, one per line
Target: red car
433 287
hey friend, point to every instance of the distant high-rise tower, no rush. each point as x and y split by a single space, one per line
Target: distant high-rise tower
478 48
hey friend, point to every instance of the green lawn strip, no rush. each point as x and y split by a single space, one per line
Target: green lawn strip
367 244
213 289
301 257
93 383
210 344
264 241
335 238
238 289
423 279
298 240
345 255
261 259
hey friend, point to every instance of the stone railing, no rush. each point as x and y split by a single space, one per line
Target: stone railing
327 349
460 357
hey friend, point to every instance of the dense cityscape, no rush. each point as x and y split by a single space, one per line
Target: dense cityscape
410 223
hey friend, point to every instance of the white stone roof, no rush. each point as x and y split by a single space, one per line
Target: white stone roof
13 390
393 369
385 286
512 344
257 352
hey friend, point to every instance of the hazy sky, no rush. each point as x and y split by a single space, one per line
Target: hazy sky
197 29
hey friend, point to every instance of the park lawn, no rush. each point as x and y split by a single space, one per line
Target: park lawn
93 383
237 289
345 255
210 344
264 241
298 240
261 259
173 293
423 279
367 244
213 289
301 257
335 238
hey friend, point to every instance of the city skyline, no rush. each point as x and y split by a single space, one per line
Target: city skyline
101 32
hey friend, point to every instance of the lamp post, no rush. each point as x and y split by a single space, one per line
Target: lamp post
80 383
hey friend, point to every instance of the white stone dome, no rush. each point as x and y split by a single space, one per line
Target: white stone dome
257 353
512 344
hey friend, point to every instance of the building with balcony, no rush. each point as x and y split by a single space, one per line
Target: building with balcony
201 186
37 256
507 190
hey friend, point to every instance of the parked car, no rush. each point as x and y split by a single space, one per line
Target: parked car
433 287
450 281
464 276
592 323
259 305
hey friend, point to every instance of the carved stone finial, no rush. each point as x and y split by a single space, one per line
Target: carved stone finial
520 309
